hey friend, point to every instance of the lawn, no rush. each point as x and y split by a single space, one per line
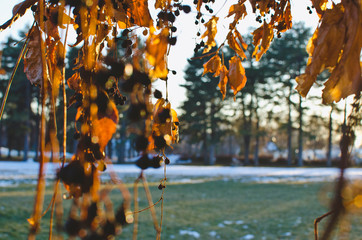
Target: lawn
217 209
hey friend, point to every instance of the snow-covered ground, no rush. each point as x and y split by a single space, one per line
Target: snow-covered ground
13 173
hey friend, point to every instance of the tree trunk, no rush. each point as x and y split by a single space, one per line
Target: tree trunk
37 128
27 121
109 149
300 136
330 130
246 148
257 140
121 156
289 143
212 158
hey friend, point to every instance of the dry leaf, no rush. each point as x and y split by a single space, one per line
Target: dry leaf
237 78
74 82
103 129
162 3
223 80
33 66
105 126
238 9
233 43
335 45
262 39
140 13
156 49
210 33
213 65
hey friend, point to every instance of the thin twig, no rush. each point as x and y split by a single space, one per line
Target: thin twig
65 97
39 197
6 94
162 198
206 55
317 220
150 203
52 211
144 209
135 203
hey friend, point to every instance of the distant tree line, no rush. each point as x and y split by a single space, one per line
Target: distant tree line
19 128
269 109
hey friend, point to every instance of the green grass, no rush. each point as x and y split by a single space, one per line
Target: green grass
268 211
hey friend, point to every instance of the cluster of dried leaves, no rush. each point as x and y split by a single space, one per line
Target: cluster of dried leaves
335 45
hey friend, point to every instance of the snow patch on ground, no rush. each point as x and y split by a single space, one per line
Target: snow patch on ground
221 225
190 233
226 222
287 234
239 222
13 173
247 237
213 234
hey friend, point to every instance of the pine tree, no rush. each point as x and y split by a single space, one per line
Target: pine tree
17 114
286 58
202 120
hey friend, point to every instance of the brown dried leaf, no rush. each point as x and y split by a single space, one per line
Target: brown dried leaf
238 9
32 60
104 129
335 45
156 50
320 6
105 126
199 4
262 39
74 82
140 13
213 65
235 45
162 3
237 78
223 80
210 33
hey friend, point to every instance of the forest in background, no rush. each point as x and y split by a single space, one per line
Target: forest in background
269 123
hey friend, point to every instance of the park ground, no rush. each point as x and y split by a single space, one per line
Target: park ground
200 202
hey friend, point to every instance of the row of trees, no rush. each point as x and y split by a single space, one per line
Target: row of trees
19 127
268 108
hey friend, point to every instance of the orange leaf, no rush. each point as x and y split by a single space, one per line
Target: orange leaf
105 126
235 45
335 45
210 33
162 3
74 82
262 39
237 78
156 49
32 60
238 9
223 80
175 128
199 4
103 129
213 65
140 13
